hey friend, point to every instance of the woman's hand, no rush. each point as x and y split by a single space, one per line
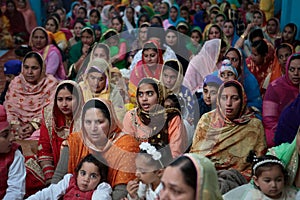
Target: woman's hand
132 188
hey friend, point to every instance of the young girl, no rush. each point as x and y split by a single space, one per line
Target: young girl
227 72
87 183
150 163
269 181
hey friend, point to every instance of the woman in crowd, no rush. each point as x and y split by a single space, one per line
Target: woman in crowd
105 138
210 58
246 78
277 97
288 35
41 42
52 25
117 46
272 30
97 84
108 12
283 52
60 118
174 17
196 41
227 134
78 26
213 31
130 19
71 15
230 32
149 66
80 50
164 8
17 22
175 40
29 16
261 63
27 95
151 122
194 176
95 18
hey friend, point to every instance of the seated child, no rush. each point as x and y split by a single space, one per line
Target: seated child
269 181
87 183
227 72
12 168
207 101
150 164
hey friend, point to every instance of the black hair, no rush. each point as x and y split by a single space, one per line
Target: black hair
96 103
283 46
102 166
294 27
149 46
177 101
239 69
94 10
223 43
119 18
256 33
81 21
166 156
261 47
70 87
188 169
37 56
259 169
56 18
159 19
171 64
84 9
143 15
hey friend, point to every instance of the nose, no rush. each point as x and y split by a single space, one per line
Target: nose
94 127
228 102
64 103
138 174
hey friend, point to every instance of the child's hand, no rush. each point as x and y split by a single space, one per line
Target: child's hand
132 188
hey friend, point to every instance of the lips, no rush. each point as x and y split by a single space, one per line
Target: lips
228 110
145 106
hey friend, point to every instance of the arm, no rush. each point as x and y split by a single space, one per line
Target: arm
102 192
52 63
128 128
122 53
240 43
177 136
16 178
54 191
62 166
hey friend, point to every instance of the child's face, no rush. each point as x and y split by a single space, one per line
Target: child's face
271 182
88 177
169 78
227 76
195 38
145 172
210 94
6 139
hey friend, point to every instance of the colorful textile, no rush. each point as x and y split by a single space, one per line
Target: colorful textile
110 92
141 70
202 64
274 102
51 55
228 142
29 16
160 125
207 179
169 22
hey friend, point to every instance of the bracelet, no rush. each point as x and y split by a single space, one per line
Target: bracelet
243 36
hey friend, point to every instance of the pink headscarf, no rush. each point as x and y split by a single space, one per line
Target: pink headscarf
3 118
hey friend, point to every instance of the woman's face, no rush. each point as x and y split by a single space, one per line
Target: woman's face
257 19
66 102
210 95
271 27
94 19
10 7
234 59
256 57
150 57
87 38
31 70
288 34
77 29
100 53
228 29
61 14
163 9
184 14
116 25
39 39
173 14
169 77
146 96
111 13
195 36
129 14
171 39
80 13
214 33
294 72
283 55
230 102
174 185
220 21
21 4
96 126
50 26
96 81
75 9
143 34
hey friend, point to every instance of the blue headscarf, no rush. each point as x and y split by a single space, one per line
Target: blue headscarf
178 18
69 14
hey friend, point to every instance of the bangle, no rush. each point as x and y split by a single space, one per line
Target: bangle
243 36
